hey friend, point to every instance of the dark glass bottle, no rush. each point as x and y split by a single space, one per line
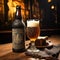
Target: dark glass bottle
18 32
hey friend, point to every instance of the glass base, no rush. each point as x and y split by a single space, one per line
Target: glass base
33 47
32 50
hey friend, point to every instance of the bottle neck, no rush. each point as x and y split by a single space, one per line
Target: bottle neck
18 14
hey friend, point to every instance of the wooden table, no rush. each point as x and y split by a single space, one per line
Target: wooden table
7 54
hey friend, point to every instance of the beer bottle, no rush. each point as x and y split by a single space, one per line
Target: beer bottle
18 32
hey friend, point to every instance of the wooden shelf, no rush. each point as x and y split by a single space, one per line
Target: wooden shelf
9 31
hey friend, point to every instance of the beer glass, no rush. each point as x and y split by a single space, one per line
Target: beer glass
33 31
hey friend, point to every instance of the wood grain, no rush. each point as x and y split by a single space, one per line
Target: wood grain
7 54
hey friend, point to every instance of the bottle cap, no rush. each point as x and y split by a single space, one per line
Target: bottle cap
18 7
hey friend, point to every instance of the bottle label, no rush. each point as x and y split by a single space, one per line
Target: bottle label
18 38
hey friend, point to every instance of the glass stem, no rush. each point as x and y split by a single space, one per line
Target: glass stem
33 45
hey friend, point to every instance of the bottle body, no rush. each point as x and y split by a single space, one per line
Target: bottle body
18 40
18 34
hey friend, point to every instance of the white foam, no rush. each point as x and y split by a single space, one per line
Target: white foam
42 37
32 23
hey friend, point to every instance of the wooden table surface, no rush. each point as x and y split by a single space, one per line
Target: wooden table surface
7 54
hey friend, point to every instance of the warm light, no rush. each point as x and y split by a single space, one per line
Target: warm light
0 8
27 12
49 1
52 7
12 8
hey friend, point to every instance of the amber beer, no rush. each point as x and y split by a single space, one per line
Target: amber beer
33 30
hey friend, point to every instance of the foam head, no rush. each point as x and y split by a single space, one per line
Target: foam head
32 23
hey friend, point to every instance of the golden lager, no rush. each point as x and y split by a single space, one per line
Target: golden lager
33 30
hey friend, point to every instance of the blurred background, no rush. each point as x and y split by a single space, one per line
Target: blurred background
47 11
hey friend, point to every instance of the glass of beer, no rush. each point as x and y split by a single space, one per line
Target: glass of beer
33 31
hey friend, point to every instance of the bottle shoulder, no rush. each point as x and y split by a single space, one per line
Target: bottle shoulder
18 23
